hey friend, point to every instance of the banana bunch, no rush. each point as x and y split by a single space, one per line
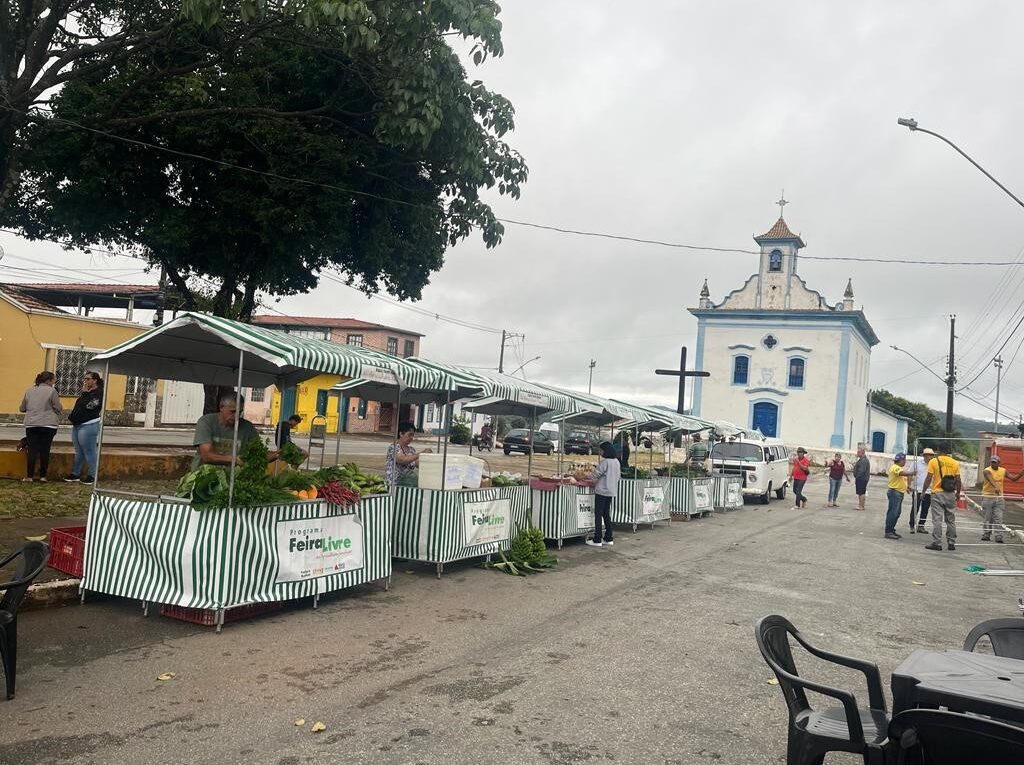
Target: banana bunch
527 554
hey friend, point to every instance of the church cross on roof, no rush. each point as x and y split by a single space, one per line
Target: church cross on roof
780 231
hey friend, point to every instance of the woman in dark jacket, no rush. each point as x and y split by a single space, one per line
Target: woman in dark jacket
85 427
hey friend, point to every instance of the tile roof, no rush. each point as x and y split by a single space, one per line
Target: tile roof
329 322
74 287
779 231
27 301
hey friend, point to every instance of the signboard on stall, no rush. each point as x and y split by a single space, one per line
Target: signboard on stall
734 494
313 547
378 374
701 496
486 522
533 399
584 511
652 501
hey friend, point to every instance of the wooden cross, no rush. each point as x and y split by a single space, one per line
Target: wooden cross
682 373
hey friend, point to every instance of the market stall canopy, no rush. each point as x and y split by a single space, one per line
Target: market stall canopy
200 348
646 419
685 423
418 383
729 430
601 411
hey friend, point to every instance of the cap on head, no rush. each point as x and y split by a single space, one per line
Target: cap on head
929 452
801 450
995 458
900 456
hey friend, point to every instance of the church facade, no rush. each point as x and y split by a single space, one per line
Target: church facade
781 359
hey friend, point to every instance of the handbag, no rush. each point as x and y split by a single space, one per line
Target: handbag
946 482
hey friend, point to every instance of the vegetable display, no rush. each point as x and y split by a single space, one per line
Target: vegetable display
291 454
349 476
336 494
635 472
201 484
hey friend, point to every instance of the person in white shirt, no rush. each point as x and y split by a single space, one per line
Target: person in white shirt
921 491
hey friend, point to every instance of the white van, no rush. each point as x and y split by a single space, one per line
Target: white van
763 463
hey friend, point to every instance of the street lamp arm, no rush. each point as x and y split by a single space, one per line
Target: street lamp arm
523 365
912 124
922 364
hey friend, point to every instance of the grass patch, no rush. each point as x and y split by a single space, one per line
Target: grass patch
56 499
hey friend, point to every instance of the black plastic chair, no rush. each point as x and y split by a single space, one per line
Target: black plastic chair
31 560
1007 636
812 734
937 737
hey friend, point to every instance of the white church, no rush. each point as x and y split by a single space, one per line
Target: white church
784 361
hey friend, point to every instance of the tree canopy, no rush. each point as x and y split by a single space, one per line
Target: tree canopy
924 425
260 150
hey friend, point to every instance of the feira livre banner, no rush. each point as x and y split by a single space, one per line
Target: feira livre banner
652 501
486 522
315 547
584 511
701 496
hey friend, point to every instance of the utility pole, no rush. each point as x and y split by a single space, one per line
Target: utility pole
950 379
593 364
501 356
997 362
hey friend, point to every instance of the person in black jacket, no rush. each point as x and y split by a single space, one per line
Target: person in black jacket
85 427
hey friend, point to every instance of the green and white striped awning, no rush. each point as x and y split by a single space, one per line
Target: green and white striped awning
411 383
196 347
602 411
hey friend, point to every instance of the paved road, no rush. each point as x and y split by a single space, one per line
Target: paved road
642 653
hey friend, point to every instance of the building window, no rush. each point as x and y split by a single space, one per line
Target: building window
361 409
740 370
256 394
312 334
136 390
431 412
393 346
409 349
70 370
770 341
775 261
356 340
796 373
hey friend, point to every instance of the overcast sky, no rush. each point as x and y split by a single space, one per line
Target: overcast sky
683 121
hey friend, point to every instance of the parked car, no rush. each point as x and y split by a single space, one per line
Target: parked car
763 464
581 442
521 440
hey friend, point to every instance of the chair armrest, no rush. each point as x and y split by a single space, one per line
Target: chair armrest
25 579
870 670
848 700
12 556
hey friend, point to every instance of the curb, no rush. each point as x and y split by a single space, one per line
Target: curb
47 594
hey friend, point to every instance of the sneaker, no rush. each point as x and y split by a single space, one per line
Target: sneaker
986 538
951 546
592 543
42 479
27 480
892 535
87 479
933 546
920 528
999 541
911 529
70 478
610 543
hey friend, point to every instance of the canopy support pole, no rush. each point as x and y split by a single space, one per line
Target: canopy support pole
561 444
472 427
529 454
337 441
234 440
446 420
99 434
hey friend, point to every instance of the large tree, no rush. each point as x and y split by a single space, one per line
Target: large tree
258 153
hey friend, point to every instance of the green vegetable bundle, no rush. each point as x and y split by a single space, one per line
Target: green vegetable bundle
201 484
291 454
528 554
208 486
351 477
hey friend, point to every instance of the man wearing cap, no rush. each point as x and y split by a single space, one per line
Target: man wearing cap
861 472
944 474
921 491
897 488
800 473
992 502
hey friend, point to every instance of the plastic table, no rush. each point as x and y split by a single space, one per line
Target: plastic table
962 681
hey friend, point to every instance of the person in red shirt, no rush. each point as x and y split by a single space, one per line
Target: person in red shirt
800 473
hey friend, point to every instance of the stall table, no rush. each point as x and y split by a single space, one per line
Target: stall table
162 550
562 511
437 526
962 681
641 500
728 491
691 497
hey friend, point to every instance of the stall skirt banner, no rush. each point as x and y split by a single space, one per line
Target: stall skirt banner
701 496
652 501
584 511
313 547
486 522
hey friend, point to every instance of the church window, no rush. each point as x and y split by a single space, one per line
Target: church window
796 373
775 261
740 370
770 341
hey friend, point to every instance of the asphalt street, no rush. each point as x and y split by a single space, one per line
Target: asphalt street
641 653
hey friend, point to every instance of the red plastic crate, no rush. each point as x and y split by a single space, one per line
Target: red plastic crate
67 550
207 617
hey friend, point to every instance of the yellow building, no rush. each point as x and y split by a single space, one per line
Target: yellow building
37 336
312 397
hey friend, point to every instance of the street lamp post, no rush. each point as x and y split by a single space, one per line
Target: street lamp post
523 365
909 122
590 384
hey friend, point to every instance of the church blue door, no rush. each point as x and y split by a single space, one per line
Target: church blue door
766 418
878 441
